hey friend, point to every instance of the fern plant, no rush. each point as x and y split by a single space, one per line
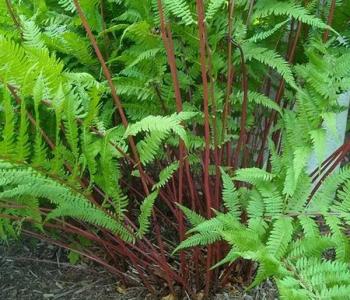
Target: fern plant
115 117
283 232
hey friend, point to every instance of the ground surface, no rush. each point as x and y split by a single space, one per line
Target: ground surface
40 272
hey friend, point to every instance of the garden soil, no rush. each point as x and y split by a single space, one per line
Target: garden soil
41 271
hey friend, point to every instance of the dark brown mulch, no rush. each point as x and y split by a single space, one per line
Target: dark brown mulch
41 272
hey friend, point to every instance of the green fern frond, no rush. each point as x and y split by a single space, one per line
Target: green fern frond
273 201
289 289
267 7
256 206
342 202
87 212
342 65
253 175
275 159
258 225
150 145
180 9
161 124
280 237
6 229
195 219
330 121
265 34
213 7
83 80
77 46
7 145
336 292
149 54
246 240
268 266
341 245
134 88
310 227
325 195
109 174
230 258
326 279
67 5
290 184
71 126
213 224
40 152
14 60
310 247
23 146
229 195
32 34
33 211
301 156
90 149
25 182
270 58
146 210
318 137
261 99
166 174
48 65
202 238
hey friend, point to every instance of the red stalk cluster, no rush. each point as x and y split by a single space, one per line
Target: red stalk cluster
149 259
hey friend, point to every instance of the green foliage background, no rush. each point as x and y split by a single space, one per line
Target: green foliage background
67 155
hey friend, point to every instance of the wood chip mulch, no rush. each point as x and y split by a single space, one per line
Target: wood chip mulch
41 272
